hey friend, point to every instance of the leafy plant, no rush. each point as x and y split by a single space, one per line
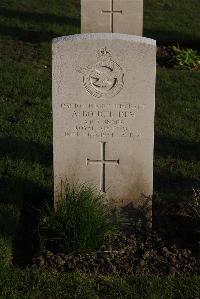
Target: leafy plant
187 58
81 221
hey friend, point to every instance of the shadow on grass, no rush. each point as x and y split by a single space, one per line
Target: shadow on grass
8 219
172 38
174 187
33 36
177 229
19 149
21 198
30 36
177 149
30 198
171 184
170 214
40 17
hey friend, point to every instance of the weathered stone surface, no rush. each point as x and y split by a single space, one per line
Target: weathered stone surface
114 16
103 114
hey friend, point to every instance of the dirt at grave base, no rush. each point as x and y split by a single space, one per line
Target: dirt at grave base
128 254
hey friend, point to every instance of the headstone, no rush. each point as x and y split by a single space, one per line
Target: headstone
103 114
114 16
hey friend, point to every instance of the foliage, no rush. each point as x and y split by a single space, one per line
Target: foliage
81 221
186 58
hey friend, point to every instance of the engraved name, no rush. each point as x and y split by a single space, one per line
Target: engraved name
96 120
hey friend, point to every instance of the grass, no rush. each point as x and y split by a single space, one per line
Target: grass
176 164
172 22
26 29
38 284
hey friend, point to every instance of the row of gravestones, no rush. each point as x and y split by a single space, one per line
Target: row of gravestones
104 102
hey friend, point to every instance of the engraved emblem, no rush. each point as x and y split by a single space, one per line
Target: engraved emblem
104 79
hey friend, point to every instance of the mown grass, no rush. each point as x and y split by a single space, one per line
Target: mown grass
38 284
172 22
177 135
26 29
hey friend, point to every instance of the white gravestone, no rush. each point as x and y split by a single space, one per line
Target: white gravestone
114 16
103 114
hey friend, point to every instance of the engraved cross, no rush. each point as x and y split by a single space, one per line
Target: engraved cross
103 163
111 12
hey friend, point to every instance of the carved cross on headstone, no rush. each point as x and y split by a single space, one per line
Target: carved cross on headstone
113 16
103 163
111 12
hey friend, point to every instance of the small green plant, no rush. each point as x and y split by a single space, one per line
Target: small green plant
81 221
187 58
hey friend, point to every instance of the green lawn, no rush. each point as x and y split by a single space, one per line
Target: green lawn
26 29
39 284
177 134
172 21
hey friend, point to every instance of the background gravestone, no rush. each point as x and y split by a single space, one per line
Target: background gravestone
103 114
114 16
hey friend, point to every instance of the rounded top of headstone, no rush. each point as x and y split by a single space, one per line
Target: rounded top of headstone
106 36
